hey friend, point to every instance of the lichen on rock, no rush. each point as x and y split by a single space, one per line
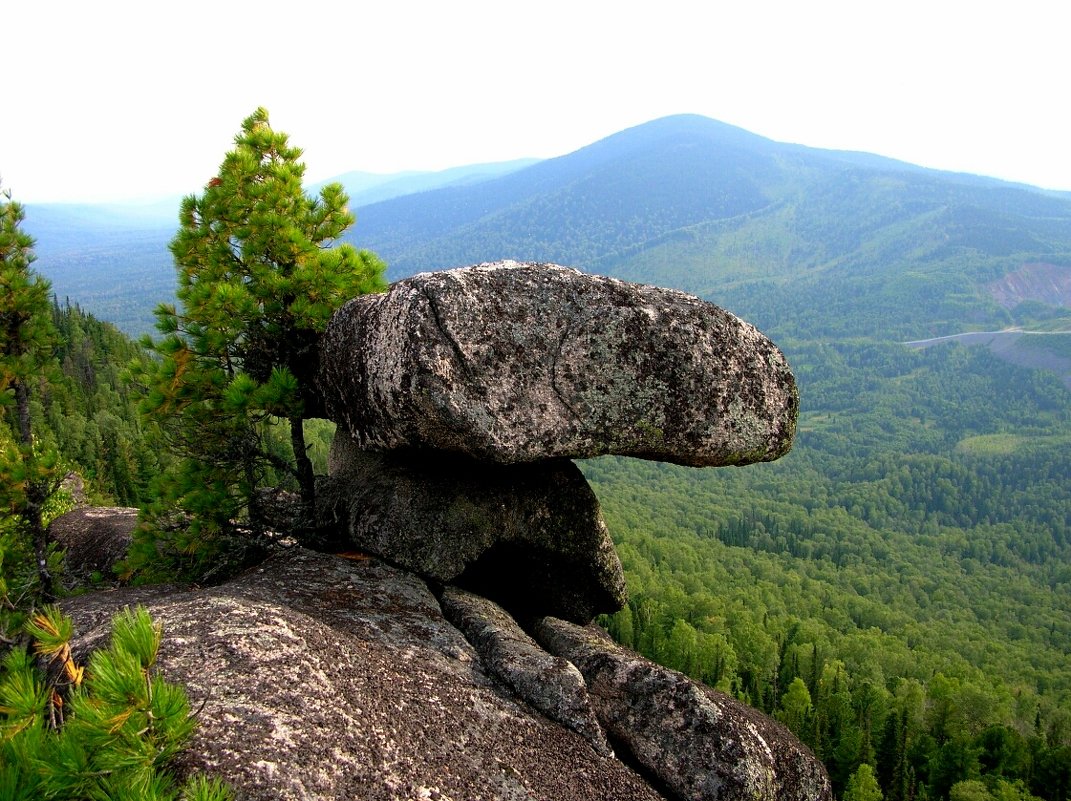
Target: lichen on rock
551 684
319 677
530 536
704 745
515 362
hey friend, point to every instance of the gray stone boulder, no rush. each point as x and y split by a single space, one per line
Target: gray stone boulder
702 744
319 677
549 683
514 362
529 536
94 539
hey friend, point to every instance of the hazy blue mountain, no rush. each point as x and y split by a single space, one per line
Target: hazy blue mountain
365 188
611 193
113 259
62 225
805 242
822 241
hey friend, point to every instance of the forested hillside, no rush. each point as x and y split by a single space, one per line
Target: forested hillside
909 562
109 262
898 588
90 414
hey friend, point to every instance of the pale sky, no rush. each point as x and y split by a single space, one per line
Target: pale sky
116 100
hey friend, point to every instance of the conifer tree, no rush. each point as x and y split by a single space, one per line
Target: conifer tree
27 473
796 709
106 730
892 761
863 785
260 271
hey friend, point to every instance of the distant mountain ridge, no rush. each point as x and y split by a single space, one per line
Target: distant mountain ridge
365 188
551 210
774 231
805 242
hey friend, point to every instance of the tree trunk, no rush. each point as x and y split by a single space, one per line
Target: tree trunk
22 408
305 476
36 495
35 523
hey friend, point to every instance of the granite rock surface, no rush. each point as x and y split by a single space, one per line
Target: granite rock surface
516 362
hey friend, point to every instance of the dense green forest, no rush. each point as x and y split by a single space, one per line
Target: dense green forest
909 562
91 417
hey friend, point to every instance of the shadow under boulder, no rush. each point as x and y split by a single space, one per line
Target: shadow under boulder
530 536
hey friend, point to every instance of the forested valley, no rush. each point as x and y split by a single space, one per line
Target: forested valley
898 595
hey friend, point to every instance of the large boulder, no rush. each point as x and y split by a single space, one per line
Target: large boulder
702 744
530 536
94 538
515 362
319 677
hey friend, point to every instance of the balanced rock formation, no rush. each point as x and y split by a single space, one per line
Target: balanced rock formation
460 396
531 536
516 362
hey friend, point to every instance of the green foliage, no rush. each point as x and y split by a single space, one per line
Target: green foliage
26 334
863 786
970 790
64 407
258 280
20 587
910 574
796 708
85 423
91 412
65 404
28 472
108 732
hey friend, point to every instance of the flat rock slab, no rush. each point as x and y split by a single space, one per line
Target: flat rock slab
514 362
529 536
704 745
326 678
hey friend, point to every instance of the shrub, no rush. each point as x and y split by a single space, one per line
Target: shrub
106 730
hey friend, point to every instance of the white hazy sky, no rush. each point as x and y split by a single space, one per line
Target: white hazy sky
115 100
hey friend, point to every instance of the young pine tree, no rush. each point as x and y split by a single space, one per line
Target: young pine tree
109 730
863 785
259 274
28 475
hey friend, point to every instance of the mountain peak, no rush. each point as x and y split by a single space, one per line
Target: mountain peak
678 128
